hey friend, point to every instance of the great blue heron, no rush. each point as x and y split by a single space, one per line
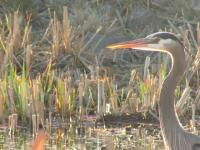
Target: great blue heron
174 136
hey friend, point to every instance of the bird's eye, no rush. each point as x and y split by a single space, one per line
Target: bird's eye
156 39
153 40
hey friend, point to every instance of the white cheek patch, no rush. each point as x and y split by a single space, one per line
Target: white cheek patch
162 46
166 41
156 47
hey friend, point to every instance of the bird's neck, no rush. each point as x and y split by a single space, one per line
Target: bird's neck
167 114
169 121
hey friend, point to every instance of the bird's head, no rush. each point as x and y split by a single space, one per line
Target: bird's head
159 41
162 42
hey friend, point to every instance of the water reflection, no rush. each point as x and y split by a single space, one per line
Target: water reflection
85 137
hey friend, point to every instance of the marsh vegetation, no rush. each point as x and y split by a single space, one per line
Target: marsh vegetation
57 76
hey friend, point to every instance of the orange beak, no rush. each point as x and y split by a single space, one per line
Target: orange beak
134 44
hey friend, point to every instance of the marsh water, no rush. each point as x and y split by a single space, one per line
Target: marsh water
86 135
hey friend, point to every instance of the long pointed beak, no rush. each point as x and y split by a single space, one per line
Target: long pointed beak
134 44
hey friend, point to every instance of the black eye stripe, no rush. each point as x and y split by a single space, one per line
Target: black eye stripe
167 35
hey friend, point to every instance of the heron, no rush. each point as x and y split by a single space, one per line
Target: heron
174 135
